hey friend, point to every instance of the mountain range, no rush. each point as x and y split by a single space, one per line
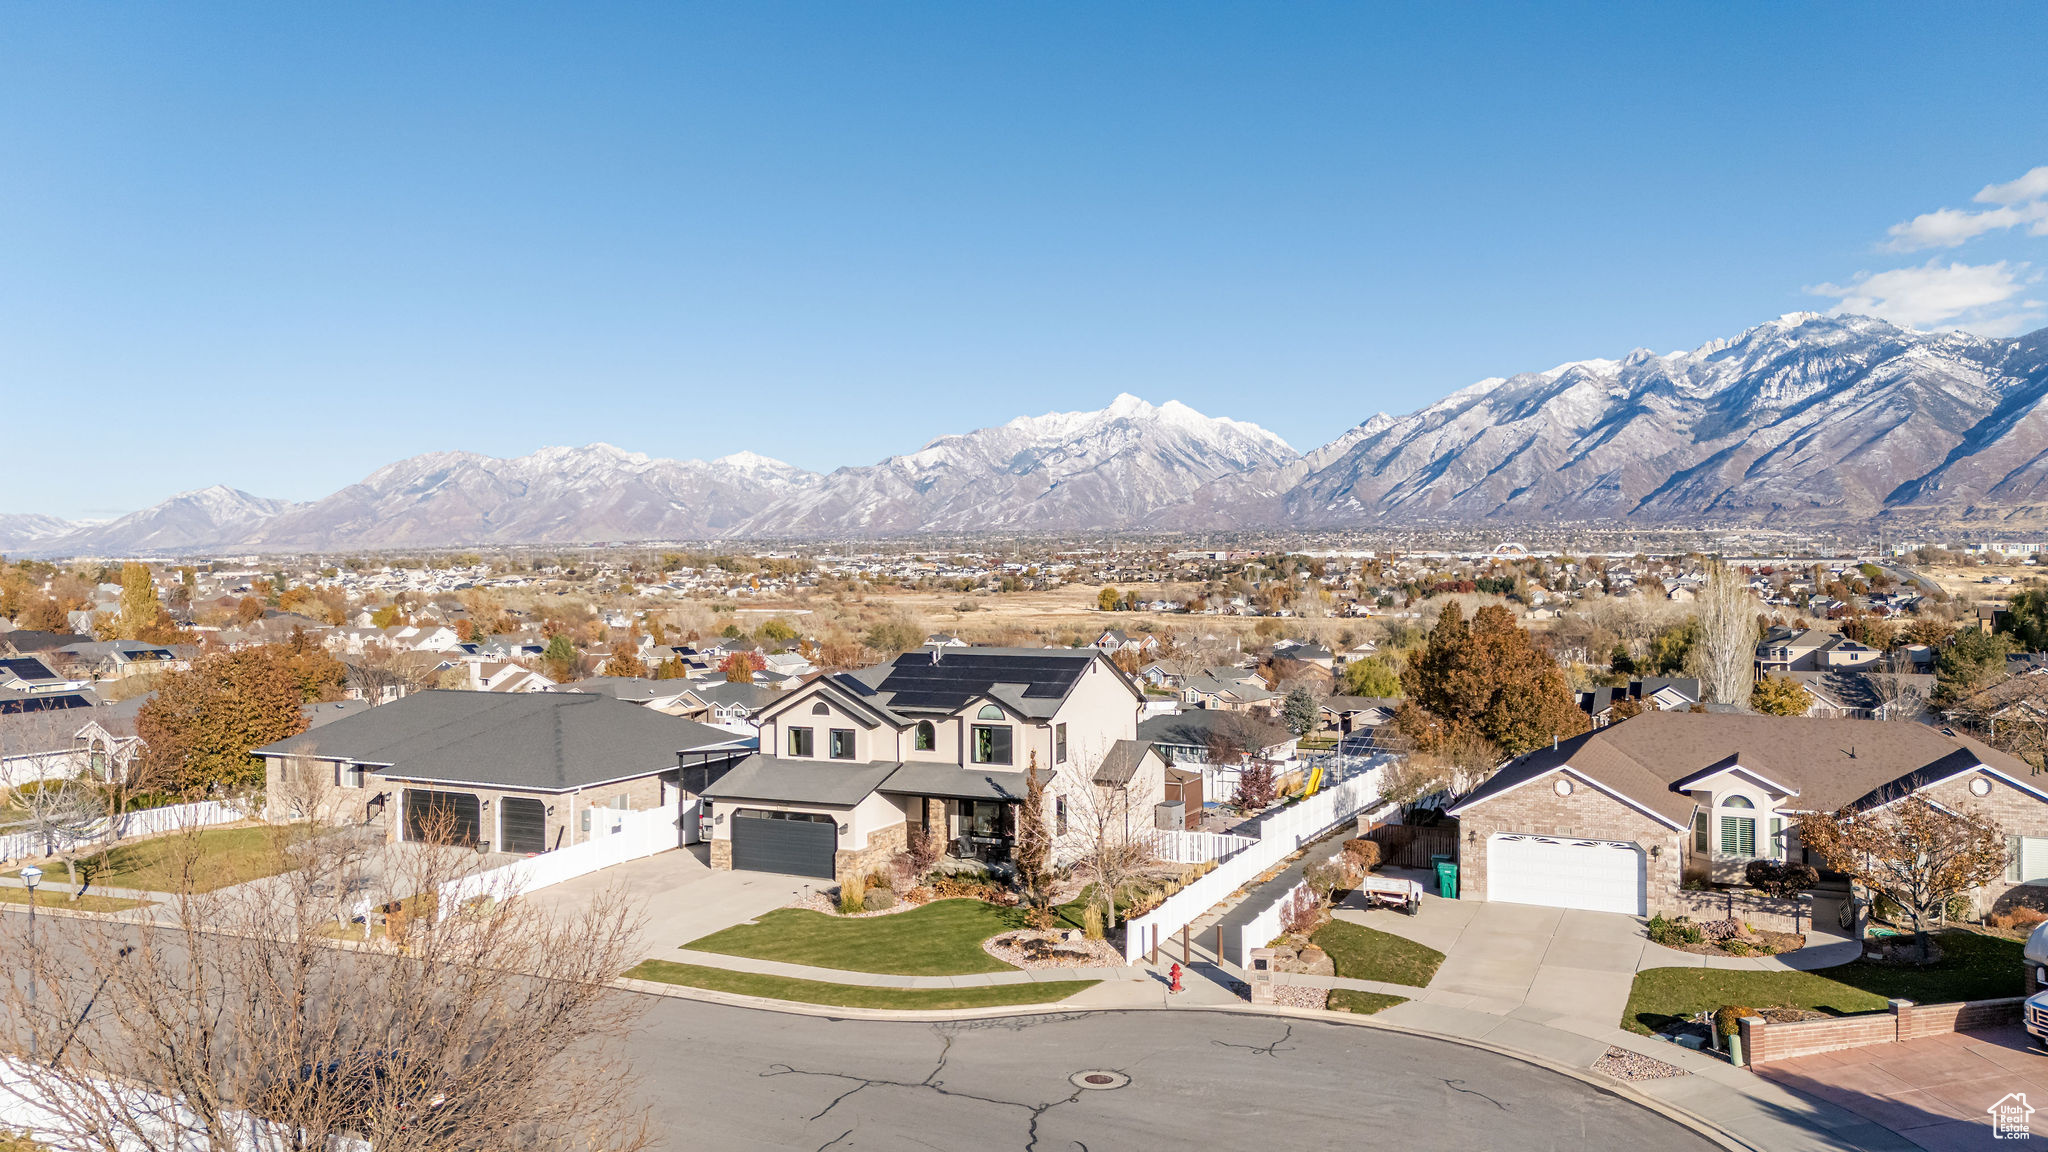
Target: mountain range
1806 420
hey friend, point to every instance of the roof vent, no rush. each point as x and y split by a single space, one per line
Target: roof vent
1553 741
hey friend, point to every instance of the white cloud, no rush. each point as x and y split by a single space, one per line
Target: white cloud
2021 202
2032 186
1983 298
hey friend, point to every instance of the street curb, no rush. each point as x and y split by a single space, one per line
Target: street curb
1618 1088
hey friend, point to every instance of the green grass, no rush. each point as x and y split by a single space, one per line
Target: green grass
942 938
1362 953
1973 967
854 995
1362 1003
86 903
217 858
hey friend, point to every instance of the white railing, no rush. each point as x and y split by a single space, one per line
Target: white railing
616 836
1182 847
142 822
1281 834
1265 926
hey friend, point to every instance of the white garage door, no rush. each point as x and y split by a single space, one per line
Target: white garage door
1597 875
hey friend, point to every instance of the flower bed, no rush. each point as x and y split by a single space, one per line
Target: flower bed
1031 948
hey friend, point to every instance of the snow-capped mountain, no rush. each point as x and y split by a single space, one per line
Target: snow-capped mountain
197 519
30 530
1113 468
555 495
1806 418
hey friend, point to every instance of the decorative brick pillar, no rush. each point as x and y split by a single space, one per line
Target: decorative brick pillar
1260 976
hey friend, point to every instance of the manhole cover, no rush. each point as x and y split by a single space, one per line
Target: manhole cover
1099 1081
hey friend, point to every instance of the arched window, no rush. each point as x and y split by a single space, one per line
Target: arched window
821 709
1737 802
925 737
989 712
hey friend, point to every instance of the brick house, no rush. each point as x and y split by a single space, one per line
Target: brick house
511 772
1614 820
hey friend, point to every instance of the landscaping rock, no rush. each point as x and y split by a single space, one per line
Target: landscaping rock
880 900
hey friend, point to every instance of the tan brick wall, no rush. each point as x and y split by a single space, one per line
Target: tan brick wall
1587 813
1752 908
721 854
1764 1043
2018 813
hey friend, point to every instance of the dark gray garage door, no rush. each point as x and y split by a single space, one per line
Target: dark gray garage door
450 814
524 823
800 843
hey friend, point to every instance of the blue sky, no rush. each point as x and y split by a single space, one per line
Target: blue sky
277 246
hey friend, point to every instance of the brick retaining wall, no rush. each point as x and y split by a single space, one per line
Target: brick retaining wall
1763 1042
1753 908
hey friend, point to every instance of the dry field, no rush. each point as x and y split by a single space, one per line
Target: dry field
1968 583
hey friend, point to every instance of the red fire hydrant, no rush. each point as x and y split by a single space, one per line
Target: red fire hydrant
1175 973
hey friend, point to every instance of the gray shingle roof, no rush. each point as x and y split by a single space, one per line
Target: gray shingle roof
1121 762
829 783
545 741
917 778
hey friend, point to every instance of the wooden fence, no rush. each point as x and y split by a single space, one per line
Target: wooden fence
1408 846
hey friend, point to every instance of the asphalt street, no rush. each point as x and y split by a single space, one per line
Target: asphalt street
739 1079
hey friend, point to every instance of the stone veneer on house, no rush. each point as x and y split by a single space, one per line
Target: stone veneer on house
1587 813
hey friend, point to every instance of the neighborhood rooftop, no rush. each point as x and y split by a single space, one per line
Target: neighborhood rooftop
540 740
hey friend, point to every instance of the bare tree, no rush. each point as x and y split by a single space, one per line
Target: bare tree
1915 853
1725 654
236 1021
67 816
1107 833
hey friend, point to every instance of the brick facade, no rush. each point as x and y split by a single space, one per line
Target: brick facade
1753 908
1763 1043
2017 813
1587 814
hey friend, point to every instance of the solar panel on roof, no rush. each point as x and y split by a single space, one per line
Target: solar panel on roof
921 681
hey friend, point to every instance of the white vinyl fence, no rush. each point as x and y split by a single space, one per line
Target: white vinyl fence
1281 834
1264 926
616 836
1182 847
144 822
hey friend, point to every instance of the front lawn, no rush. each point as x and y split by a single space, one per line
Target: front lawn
1363 953
45 898
1361 1003
854 995
1973 966
215 858
942 938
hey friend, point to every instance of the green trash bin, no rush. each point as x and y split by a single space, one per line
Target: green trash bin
1446 876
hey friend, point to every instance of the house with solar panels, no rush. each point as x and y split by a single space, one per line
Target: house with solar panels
936 742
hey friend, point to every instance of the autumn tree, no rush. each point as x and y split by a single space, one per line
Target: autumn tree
625 661
1371 676
1484 678
1779 696
740 667
1918 854
142 615
1034 842
201 724
1108 599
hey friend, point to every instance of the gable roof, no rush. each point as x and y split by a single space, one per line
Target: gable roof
1832 763
1033 682
547 741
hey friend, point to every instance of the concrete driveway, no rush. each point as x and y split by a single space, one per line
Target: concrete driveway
681 896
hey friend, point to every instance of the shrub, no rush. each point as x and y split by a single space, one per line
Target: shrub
1362 852
1091 921
1672 933
1302 914
1727 1016
1780 878
2022 918
1735 947
1042 919
1324 878
852 897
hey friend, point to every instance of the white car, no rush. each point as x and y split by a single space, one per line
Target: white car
2036 1016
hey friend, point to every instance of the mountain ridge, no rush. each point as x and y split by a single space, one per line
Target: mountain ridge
1802 420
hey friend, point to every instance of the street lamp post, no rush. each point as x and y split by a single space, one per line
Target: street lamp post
29 876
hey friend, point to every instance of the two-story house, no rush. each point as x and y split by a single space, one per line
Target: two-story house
938 742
